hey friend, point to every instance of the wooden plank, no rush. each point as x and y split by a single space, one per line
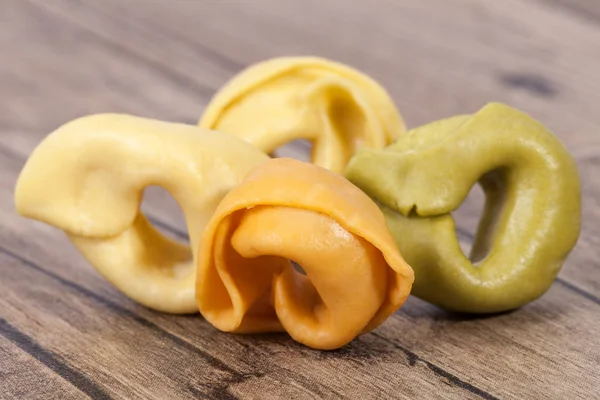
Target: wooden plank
586 10
65 72
442 348
118 354
521 354
112 75
29 372
434 64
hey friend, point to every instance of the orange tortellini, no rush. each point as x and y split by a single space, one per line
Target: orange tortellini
287 210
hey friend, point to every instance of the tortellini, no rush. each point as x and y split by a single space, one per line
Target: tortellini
337 108
284 211
532 214
88 176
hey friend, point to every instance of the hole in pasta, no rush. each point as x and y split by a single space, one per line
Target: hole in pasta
167 253
298 268
164 213
467 217
299 149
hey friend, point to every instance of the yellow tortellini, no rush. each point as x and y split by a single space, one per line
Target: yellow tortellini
337 108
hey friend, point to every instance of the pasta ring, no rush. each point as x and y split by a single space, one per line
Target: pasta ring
289 210
531 219
88 176
283 99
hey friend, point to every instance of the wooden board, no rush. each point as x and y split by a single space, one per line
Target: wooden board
66 333
31 372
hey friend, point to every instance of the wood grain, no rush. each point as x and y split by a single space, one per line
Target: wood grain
28 372
65 325
588 11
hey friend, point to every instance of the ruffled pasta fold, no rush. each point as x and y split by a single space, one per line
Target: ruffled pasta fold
284 211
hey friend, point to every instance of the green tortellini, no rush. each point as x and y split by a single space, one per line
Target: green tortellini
532 213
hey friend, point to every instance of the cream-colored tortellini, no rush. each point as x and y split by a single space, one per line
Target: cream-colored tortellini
87 178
